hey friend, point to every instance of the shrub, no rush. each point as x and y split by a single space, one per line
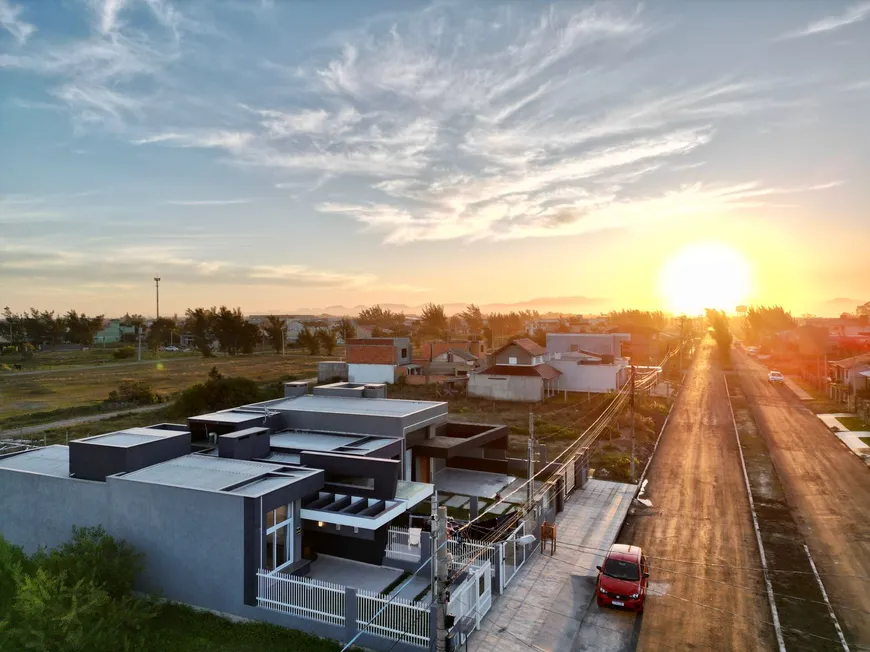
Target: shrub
217 393
73 598
124 353
8 350
94 556
137 392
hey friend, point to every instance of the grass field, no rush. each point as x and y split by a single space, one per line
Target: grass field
83 389
854 423
181 629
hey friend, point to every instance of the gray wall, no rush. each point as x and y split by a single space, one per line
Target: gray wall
603 343
40 510
506 388
194 541
513 351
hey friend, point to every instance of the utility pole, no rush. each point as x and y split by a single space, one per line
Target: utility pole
139 331
441 570
530 491
157 287
633 382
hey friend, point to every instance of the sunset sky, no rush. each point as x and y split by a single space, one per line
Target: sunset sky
287 155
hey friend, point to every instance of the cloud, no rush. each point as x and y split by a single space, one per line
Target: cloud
207 202
9 20
854 13
107 13
132 264
233 141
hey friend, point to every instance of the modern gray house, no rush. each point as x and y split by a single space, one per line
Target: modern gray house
234 509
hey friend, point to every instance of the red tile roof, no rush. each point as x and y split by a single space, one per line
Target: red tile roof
545 371
527 345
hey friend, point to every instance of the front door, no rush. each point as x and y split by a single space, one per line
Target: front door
279 550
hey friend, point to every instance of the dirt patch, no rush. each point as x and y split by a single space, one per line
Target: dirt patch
802 612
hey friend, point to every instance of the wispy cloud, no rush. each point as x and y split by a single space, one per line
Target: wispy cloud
207 202
854 13
106 12
10 21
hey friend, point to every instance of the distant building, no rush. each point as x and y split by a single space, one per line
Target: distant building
114 331
519 372
379 359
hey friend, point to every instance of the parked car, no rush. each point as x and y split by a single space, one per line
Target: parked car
172 349
775 377
622 578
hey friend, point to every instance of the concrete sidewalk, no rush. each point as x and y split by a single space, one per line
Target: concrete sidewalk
852 439
544 606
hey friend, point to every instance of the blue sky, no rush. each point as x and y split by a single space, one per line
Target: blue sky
278 155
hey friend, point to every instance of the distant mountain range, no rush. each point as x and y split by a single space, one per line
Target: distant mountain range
567 305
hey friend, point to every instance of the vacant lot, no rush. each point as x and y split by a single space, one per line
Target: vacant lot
558 422
73 387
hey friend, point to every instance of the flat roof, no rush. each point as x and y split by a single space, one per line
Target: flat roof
49 460
204 472
318 441
120 439
385 407
236 415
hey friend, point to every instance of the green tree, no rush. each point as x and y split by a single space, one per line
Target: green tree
718 321
384 319
199 322
473 319
762 322
433 321
159 332
82 329
275 332
630 320
327 339
135 321
345 328
307 339
13 327
217 393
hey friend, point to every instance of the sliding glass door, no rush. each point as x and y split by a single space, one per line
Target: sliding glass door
279 550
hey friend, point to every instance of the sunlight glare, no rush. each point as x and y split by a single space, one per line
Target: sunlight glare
708 275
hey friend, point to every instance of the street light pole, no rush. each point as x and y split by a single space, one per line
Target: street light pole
157 287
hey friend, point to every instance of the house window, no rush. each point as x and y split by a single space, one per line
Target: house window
574 348
512 360
278 544
404 353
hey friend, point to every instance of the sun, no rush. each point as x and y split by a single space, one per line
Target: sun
705 275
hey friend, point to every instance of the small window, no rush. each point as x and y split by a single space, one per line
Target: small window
481 586
512 360
404 353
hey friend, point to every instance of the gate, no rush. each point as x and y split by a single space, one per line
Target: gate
513 557
474 596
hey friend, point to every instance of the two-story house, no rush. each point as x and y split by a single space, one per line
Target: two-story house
519 371
379 359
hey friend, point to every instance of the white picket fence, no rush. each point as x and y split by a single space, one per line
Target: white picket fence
301 596
401 619
399 547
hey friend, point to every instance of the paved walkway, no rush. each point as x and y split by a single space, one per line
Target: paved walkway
545 605
851 438
799 391
18 433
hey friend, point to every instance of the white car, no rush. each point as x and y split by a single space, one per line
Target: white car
775 377
172 349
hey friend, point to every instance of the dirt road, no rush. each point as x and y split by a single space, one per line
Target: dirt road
700 513
828 490
26 431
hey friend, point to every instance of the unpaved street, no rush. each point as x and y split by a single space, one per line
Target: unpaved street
700 513
828 490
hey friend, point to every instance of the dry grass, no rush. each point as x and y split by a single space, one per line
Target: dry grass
71 387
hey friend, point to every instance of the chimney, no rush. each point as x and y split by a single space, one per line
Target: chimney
295 388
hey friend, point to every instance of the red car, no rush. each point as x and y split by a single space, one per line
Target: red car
622 579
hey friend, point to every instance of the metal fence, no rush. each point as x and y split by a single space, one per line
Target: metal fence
402 620
399 546
467 552
301 596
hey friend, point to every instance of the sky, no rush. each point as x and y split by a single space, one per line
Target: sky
279 155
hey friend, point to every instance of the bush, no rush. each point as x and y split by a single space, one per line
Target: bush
74 598
217 393
137 392
124 353
94 556
8 350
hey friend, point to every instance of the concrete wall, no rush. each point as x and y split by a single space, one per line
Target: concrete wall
603 343
506 388
371 373
194 541
40 510
589 377
327 371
